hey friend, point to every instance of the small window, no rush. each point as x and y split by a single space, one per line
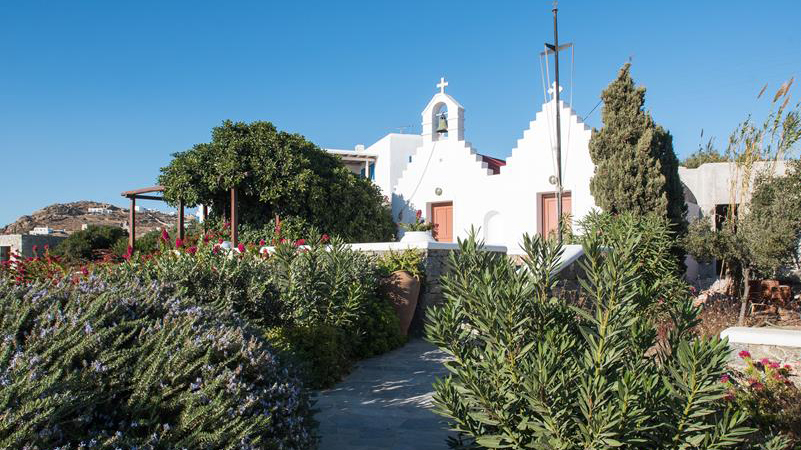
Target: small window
410 158
5 253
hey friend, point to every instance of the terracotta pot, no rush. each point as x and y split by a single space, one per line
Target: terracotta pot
768 287
402 288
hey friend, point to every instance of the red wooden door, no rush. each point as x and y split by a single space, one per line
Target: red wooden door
548 222
442 218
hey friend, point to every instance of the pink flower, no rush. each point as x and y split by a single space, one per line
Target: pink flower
325 238
262 242
300 242
774 365
724 379
729 397
179 242
744 354
191 250
282 241
221 241
787 367
757 386
84 271
35 248
216 249
241 248
419 214
46 247
765 361
206 239
164 235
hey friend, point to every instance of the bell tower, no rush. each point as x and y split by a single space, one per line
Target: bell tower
442 113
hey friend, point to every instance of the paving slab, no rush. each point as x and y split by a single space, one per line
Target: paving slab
385 403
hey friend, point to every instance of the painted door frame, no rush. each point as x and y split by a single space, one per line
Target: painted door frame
431 207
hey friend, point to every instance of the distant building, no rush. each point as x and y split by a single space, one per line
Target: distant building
42 231
99 211
22 244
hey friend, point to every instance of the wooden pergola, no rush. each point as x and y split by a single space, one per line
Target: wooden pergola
147 194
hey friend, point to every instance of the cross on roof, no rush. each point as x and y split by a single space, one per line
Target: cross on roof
552 89
442 84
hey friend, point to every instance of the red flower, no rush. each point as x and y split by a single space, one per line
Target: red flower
262 242
744 354
241 248
419 214
226 225
84 271
325 238
164 235
179 242
757 386
216 249
206 239
282 241
46 247
300 242
191 250
724 379
765 361
729 397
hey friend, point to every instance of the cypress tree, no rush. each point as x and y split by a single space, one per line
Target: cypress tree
635 167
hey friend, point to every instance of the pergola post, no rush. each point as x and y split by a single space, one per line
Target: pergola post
181 219
132 224
234 219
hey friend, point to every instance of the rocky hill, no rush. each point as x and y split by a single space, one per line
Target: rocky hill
65 218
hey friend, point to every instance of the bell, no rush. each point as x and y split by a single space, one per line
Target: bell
442 127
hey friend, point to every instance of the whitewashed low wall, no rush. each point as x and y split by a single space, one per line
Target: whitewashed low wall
777 344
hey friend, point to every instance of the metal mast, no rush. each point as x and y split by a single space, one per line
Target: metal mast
555 49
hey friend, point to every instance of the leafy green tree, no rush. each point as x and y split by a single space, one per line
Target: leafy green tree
528 370
82 245
277 174
703 155
635 167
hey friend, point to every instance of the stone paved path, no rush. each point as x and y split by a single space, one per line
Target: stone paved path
384 404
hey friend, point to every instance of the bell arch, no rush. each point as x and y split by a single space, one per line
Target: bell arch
439 103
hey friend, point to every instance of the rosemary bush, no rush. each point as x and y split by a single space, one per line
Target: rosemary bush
531 371
135 365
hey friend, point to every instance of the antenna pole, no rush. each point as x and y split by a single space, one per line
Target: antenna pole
558 129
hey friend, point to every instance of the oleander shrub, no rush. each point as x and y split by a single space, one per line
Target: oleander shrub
135 365
330 284
660 276
529 370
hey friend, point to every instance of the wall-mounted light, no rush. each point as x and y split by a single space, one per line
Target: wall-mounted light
438 191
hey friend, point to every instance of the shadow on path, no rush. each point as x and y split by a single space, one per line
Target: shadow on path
385 403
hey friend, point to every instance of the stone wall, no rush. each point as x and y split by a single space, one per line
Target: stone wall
24 243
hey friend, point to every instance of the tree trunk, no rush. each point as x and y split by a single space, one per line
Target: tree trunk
746 293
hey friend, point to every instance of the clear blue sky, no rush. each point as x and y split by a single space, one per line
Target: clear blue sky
95 96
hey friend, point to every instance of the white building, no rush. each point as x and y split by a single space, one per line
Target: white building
457 188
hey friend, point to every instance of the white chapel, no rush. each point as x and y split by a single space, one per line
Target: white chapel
439 173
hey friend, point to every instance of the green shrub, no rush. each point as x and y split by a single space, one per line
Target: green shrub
410 260
145 244
82 245
650 244
531 371
320 352
336 286
134 365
